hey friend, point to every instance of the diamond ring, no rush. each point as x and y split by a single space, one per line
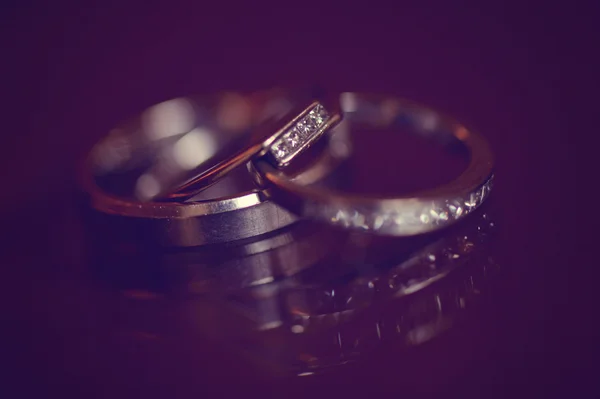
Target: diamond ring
417 213
146 158
288 125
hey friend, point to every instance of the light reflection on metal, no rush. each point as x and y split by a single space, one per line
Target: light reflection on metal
109 155
169 118
234 112
147 186
462 133
297 329
194 148
264 280
428 122
269 326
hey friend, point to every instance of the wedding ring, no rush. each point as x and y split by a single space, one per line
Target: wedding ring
148 157
420 212
280 141
277 124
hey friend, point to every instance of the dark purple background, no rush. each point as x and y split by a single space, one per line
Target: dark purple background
511 69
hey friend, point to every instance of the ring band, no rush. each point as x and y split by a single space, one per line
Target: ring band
281 144
397 216
202 222
199 221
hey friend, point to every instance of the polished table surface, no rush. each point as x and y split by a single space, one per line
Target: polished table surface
74 330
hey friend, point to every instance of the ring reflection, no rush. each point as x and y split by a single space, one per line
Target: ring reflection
306 299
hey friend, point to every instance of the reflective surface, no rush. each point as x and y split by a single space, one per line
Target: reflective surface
304 303
298 286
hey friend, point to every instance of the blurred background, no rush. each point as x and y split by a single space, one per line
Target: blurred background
513 70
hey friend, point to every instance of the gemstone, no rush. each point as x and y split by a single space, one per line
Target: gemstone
473 201
305 131
306 126
378 222
292 139
318 115
443 216
342 217
279 150
486 188
456 209
358 220
399 219
302 129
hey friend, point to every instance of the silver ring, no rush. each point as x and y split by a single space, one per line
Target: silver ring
149 155
400 215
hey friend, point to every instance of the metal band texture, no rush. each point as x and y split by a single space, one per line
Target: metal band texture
137 160
417 213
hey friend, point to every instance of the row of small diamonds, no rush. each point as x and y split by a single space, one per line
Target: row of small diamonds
292 140
438 213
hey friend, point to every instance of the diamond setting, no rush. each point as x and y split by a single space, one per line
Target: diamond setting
305 131
279 149
411 218
293 140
